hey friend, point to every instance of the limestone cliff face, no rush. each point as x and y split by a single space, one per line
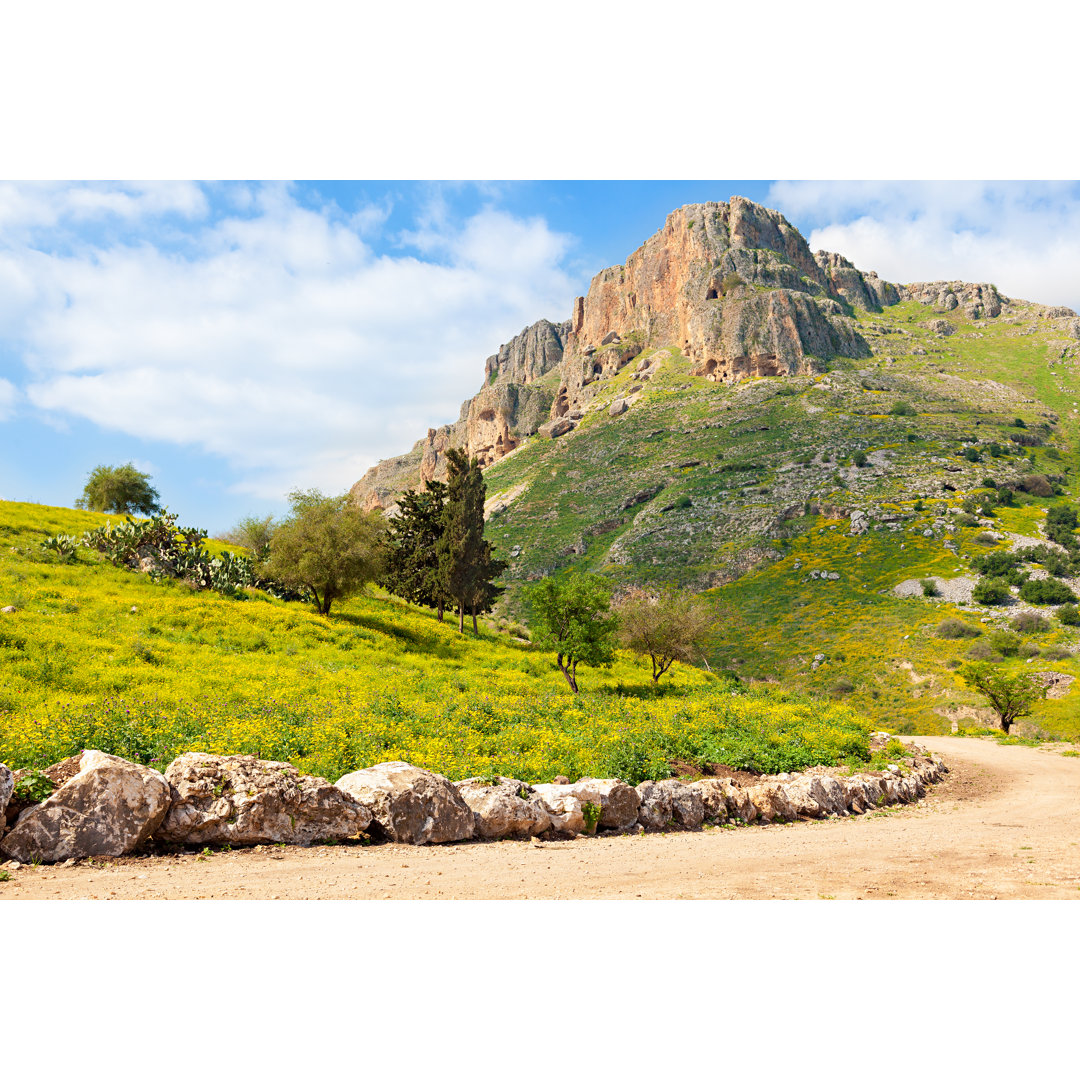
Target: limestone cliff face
508 408
733 285
978 301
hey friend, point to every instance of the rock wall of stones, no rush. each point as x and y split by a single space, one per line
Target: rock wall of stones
105 806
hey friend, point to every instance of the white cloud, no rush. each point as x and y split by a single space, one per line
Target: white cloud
8 396
279 340
1023 236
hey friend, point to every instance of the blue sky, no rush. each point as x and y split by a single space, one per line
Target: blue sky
239 340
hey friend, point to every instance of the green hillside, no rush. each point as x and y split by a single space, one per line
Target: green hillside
740 489
98 656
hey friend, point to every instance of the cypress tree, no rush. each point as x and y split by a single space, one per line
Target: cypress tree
412 570
466 567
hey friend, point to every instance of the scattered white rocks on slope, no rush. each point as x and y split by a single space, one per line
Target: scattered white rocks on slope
109 807
242 800
410 805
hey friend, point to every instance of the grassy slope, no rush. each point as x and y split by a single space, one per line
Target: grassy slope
99 656
768 447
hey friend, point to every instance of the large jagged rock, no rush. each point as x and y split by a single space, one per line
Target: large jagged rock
507 808
7 786
670 802
617 800
860 289
109 807
410 805
565 810
242 800
771 802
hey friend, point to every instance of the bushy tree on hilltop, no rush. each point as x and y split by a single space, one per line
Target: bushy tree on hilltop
327 546
571 616
119 489
665 626
252 533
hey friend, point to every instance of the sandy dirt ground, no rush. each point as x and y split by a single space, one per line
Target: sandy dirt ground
1004 824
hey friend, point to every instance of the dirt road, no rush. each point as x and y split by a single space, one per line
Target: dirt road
1004 824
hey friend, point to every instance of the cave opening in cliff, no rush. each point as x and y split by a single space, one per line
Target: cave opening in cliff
711 294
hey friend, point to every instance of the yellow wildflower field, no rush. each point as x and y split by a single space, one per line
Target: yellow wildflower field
97 656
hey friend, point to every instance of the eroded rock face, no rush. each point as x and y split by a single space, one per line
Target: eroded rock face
242 800
109 807
979 301
507 808
410 805
7 786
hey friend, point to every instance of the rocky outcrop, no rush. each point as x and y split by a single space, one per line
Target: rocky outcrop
109 807
410 805
508 409
505 808
732 285
856 287
243 800
735 287
979 301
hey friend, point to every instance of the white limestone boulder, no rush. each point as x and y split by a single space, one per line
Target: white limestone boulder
241 800
410 805
109 807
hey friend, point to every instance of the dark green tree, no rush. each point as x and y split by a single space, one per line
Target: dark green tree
119 489
328 546
571 615
1010 696
412 559
467 566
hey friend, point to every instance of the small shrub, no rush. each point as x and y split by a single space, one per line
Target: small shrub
1019 423
981 651
1056 652
971 454
859 458
902 408
956 628
929 587
985 539
1047 591
842 686
1030 622
1003 642
953 664
990 591
919 505
967 520
1027 649
1069 615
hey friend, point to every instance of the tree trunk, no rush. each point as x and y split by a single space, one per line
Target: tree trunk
476 633
1005 725
440 608
569 672
461 618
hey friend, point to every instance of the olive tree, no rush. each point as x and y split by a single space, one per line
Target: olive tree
665 626
1010 696
119 489
327 546
571 615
